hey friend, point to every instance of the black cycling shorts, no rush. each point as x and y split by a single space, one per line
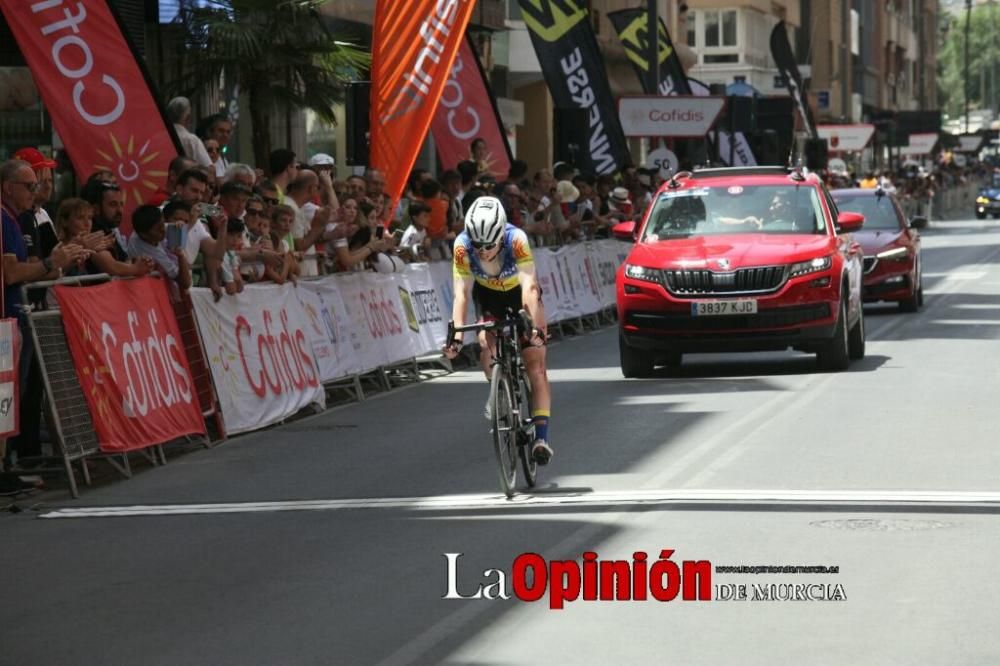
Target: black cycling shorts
495 304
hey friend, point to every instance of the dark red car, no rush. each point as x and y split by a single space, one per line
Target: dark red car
891 245
750 259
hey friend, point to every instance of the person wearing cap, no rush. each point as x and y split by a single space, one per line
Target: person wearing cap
567 216
36 224
326 168
18 185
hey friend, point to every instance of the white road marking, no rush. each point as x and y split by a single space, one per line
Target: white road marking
877 498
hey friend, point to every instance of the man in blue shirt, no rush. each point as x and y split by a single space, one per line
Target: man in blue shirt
18 184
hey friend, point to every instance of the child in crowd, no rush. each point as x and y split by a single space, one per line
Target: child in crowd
232 281
415 240
282 220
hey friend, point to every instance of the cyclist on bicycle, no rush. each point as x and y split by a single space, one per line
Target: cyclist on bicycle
493 264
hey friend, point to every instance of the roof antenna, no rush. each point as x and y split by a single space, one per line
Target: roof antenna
673 184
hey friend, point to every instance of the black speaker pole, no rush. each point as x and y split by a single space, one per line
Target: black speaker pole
653 42
732 129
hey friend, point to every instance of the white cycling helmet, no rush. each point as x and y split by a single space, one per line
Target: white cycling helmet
485 220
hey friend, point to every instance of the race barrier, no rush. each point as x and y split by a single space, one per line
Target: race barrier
115 371
272 348
129 369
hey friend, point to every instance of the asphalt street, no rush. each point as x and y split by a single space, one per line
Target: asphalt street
323 541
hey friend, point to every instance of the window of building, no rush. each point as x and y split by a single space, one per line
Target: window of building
720 28
716 34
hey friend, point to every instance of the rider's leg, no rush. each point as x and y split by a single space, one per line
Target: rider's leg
541 395
487 349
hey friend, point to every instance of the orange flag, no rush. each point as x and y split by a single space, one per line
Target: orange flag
415 44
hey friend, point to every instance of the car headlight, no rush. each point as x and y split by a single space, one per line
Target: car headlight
642 273
896 253
982 200
812 266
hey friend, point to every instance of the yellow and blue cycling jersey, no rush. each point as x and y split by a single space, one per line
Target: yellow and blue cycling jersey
514 254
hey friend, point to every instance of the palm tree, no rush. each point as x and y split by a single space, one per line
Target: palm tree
279 52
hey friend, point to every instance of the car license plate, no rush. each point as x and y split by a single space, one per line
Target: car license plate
739 306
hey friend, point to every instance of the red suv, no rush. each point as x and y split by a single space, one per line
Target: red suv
891 246
746 259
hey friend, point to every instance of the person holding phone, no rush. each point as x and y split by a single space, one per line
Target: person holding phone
149 242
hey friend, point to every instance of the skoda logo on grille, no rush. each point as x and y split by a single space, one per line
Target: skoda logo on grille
723 263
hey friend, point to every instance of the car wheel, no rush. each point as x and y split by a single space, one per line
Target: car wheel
833 355
856 338
916 298
635 362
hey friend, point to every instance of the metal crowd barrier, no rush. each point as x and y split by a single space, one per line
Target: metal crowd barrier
72 426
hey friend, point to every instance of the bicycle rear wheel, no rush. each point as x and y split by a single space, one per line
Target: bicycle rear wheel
526 432
505 429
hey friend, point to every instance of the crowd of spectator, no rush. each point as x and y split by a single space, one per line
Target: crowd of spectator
223 225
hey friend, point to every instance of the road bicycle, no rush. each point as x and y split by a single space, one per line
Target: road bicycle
510 398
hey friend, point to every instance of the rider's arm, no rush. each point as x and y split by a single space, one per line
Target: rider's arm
463 282
531 293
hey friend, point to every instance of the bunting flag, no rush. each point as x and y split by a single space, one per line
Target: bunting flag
781 51
97 91
415 44
467 111
574 71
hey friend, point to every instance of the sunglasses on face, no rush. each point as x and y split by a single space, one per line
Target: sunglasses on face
259 212
270 202
484 247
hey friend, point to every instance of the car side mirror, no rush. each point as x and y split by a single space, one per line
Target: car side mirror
627 231
918 222
849 222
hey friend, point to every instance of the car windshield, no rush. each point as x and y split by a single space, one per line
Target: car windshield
878 210
736 209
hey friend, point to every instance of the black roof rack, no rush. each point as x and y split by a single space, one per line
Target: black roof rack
742 171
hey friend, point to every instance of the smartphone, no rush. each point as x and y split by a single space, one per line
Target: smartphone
208 210
176 236
379 232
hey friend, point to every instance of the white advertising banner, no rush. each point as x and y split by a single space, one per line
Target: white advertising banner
335 343
260 353
425 317
677 115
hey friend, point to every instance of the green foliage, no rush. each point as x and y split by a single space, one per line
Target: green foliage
984 54
279 52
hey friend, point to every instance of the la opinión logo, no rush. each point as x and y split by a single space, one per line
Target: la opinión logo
532 578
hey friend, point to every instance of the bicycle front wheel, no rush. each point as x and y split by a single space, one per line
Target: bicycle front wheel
528 463
505 429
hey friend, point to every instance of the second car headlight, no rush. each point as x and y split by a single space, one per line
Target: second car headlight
812 266
642 273
896 254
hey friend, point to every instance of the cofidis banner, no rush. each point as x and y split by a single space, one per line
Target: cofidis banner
467 111
130 359
574 71
96 92
413 49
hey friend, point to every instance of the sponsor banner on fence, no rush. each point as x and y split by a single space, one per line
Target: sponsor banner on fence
261 354
131 362
10 350
94 87
329 329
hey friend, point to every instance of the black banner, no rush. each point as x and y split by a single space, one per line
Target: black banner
630 24
574 71
781 51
